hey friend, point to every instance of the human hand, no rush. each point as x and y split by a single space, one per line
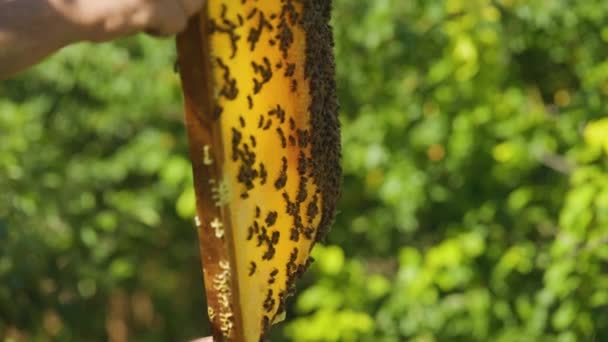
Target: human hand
110 19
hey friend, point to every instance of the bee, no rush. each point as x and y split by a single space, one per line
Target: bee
273 275
275 237
258 211
269 301
271 218
265 323
292 123
282 136
268 124
294 85
269 253
252 13
291 69
252 268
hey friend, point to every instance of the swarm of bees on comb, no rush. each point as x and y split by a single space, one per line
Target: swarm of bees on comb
261 115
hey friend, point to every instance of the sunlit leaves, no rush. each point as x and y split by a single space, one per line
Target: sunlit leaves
494 175
90 175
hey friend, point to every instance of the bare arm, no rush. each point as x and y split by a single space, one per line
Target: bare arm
30 30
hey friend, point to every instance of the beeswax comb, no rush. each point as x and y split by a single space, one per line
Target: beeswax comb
264 137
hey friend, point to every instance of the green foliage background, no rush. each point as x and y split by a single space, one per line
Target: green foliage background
475 200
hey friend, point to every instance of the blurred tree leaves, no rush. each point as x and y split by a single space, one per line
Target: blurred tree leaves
475 195
92 161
